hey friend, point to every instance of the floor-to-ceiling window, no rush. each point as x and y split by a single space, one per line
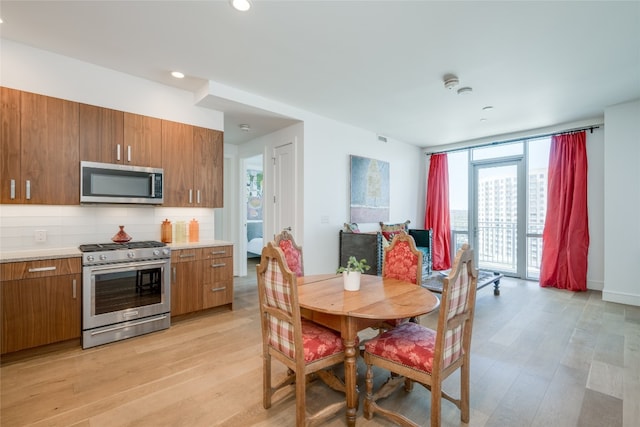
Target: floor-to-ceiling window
498 202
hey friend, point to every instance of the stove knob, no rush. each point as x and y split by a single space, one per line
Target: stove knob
90 258
166 251
103 257
131 254
156 252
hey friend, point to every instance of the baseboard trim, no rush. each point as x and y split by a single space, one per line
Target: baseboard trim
621 297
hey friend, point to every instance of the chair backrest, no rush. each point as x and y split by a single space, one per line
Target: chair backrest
457 307
402 260
292 252
279 310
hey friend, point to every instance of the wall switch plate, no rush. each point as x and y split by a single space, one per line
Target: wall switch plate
41 235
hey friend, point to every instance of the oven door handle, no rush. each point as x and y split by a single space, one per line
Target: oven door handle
129 266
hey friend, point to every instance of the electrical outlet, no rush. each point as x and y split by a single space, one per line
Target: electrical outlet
41 235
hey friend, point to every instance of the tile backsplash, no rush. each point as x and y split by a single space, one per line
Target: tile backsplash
70 226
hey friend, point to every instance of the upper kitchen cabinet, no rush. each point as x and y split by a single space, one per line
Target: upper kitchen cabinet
40 156
192 160
142 141
209 164
101 134
10 160
111 136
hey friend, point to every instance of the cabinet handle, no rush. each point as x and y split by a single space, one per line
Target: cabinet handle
173 270
28 190
222 264
128 153
198 196
218 252
74 288
186 255
223 288
118 152
190 196
37 269
13 189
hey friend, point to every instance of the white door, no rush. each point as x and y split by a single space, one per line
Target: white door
284 189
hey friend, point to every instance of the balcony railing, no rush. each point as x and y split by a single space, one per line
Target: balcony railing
497 248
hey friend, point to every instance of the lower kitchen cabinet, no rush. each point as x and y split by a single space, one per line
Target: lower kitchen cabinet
41 303
201 278
217 288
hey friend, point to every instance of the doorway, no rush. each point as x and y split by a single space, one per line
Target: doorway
252 212
498 216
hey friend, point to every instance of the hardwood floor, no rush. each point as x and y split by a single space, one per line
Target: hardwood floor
541 357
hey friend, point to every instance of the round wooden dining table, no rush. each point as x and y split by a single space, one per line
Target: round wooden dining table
322 299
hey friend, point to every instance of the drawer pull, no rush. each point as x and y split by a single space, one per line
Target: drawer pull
187 255
74 289
218 252
38 269
222 264
218 289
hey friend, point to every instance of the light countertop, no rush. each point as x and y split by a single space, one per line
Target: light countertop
71 252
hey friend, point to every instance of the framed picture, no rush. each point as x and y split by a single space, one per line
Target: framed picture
369 190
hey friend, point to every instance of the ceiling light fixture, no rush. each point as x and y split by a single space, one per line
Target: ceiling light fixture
450 81
241 5
465 90
244 127
177 74
487 108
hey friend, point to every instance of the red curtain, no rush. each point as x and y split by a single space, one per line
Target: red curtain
437 211
565 239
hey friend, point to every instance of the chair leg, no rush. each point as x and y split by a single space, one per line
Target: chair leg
436 401
464 391
301 407
266 381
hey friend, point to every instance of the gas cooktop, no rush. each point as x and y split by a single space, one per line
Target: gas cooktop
98 247
110 253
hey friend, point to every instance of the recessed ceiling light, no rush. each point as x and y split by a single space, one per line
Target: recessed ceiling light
483 119
244 127
465 90
241 5
177 74
487 108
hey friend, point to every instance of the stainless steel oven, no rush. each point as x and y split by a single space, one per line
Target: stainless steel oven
125 290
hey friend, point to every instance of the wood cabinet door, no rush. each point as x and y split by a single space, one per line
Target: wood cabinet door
142 141
40 311
208 167
101 134
177 161
50 159
186 287
10 187
217 287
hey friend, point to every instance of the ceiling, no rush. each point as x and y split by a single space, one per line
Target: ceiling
378 65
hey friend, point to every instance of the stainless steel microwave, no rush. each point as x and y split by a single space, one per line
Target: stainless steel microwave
111 183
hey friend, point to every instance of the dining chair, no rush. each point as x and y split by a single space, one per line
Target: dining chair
415 353
302 346
403 261
292 252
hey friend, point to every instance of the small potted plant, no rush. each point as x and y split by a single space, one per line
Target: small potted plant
352 272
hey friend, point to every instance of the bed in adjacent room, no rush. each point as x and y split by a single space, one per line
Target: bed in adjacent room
254 239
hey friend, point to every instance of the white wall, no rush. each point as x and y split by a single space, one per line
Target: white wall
622 204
